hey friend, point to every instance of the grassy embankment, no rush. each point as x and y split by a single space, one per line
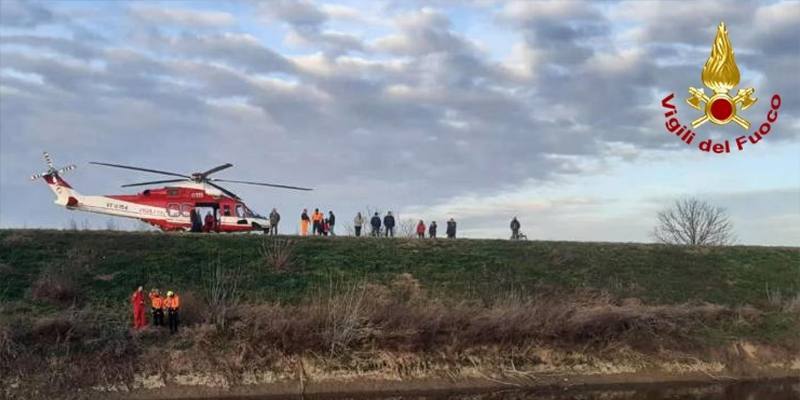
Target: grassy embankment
384 308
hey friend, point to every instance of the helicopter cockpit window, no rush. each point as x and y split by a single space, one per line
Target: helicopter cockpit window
240 211
250 214
174 210
226 210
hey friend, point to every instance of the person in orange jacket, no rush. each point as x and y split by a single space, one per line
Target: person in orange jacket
172 303
157 307
137 300
317 221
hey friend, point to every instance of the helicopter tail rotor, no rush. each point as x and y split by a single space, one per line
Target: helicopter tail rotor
65 194
51 169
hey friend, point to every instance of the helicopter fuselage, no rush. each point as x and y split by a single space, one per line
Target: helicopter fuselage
167 208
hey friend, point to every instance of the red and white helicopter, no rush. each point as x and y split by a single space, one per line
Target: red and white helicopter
168 208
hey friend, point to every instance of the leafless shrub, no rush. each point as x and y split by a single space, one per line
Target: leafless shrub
194 310
55 329
277 253
694 222
345 316
221 290
57 284
406 289
774 296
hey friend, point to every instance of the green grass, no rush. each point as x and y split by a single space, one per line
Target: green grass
461 269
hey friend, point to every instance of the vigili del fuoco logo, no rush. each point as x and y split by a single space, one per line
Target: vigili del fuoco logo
720 75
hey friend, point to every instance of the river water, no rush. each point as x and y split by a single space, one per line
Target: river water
739 391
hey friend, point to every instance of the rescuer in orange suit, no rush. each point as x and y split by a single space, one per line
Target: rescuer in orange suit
157 307
304 221
137 300
172 303
316 218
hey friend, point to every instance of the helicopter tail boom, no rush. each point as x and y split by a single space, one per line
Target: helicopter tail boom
65 195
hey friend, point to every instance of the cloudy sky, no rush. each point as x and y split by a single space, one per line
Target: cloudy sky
477 110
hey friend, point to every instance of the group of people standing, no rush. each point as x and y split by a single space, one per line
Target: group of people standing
450 231
170 304
207 224
320 224
375 224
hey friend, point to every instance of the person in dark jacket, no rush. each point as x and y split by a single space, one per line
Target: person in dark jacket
375 222
515 225
451 229
197 222
432 230
388 223
274 219
331 222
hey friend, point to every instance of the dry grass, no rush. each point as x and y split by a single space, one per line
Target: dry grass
52 356
401 316
792 304
344 326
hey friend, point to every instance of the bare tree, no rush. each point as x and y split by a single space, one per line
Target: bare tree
407 228
694 222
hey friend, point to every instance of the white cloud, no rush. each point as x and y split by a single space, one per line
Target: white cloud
182 16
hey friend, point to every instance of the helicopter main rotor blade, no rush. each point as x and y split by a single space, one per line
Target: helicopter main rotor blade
216 169
263 184
154 171
226 191
154 182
